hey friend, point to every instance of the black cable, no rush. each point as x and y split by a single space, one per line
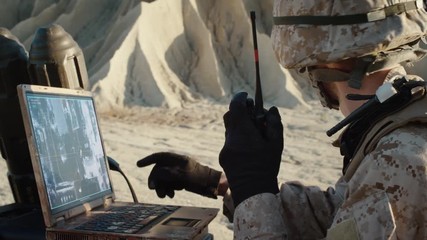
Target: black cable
115 166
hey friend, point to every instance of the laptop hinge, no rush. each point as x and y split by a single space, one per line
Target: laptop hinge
108 201
60 221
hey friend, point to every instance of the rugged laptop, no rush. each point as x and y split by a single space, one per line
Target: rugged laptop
73 181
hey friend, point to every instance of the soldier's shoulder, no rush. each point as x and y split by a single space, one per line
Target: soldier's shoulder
413 134
404 144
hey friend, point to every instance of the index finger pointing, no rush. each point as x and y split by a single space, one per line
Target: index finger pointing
150 159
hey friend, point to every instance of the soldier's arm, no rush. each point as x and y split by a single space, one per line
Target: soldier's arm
297 212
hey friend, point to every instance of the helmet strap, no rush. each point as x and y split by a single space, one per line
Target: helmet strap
359 71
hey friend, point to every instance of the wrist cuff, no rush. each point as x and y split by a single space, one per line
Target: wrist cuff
212 183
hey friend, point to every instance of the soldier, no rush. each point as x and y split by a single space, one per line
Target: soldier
352 52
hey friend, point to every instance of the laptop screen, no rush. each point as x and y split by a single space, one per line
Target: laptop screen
69 147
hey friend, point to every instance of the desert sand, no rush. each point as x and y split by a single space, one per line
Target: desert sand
197 130
163 73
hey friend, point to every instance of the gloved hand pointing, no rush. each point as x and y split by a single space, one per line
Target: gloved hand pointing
176 172
252 151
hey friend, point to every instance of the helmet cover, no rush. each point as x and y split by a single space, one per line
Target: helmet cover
336 32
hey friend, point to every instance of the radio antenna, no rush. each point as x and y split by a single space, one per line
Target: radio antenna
259 105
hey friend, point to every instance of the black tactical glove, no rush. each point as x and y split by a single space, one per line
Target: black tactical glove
252 151
176 172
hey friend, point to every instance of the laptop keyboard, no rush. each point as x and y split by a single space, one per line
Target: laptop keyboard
127 219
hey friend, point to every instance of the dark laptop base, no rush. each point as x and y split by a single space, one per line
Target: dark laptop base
25 222
203 235
182 222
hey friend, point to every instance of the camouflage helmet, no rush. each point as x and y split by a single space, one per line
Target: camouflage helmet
312 32
377 33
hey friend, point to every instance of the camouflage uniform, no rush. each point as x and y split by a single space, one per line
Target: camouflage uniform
382 195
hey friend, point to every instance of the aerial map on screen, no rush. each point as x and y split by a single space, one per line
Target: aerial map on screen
69 147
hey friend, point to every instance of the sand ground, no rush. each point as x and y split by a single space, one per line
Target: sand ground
197 130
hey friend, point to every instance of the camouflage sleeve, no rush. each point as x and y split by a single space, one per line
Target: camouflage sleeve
308 210
259 217
387 194
297 212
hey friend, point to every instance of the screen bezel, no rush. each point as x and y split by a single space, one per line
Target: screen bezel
73 208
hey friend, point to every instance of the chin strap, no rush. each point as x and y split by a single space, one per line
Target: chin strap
358 97
359 71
